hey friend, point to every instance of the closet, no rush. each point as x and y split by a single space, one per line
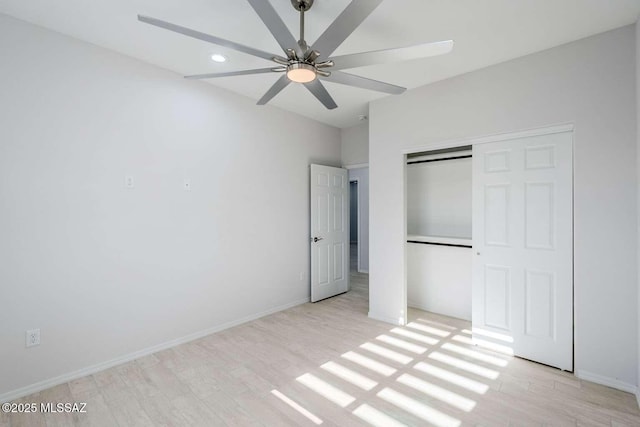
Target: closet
439 216
513 276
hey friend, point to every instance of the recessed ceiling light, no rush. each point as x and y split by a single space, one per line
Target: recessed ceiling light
216 57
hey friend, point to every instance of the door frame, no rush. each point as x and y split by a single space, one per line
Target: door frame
357 181
548 130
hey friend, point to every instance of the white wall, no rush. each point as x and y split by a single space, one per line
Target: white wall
439 279
355 144
362 176
106 271
587 83
439 198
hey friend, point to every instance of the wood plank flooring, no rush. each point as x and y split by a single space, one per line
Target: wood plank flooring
328 364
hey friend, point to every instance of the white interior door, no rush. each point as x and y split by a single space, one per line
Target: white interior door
523 247
329 232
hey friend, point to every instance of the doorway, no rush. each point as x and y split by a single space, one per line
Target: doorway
329 236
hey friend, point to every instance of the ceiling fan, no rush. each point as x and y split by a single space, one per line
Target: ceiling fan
308 64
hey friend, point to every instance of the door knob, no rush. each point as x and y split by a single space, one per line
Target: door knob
317 239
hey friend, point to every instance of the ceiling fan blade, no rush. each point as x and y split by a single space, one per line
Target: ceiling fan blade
350 18
391 55
275 89
205 37
276 25
364 83
318 90
231 73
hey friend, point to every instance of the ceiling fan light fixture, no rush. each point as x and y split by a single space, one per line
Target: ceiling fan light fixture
299 72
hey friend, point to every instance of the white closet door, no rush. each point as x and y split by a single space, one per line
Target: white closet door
523 247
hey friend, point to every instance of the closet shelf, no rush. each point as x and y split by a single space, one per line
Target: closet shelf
439 240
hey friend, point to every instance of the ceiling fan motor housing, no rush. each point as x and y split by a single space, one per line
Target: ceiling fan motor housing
302 5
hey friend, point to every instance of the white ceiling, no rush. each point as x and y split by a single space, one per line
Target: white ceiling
486 32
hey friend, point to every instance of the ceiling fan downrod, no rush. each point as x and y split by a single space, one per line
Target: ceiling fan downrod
302 42
302 68
302 6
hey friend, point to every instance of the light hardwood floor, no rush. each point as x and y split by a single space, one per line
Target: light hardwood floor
328 363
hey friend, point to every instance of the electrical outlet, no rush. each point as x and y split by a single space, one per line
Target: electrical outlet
186 183
33 337
128 182
302 275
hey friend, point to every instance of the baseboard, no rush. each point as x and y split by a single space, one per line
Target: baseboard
363 271
392 320
609 382
89 370
412 304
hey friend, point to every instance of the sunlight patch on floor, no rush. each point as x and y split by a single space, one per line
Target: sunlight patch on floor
437 324
326 390
418 409
297 407
459 380
375 417
386 353
395 347
371 364
475 355
413 348
464 365
415 336
463 339
348 375
444 395
498 348
428 329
